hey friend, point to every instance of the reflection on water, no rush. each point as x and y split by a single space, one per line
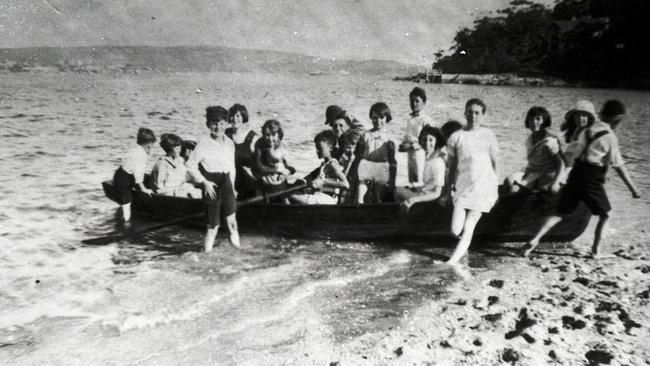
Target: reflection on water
155 297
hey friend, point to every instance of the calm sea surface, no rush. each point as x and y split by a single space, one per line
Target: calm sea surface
156 298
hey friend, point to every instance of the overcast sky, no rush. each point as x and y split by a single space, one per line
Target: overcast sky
408 31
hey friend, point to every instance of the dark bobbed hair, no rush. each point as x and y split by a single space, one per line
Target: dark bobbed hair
476 101
350 137
569 125
433 131
187 145
168 141
327 136
538 111
274 126
612 108
449 128
215 114
382 110
145 136
238 108
418 92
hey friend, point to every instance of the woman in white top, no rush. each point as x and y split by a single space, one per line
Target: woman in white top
433 173
472 157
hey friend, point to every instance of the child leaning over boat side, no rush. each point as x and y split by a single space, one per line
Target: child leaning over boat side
418 119
212 164
243 137
586 180
269 158
328 179
545 168
433 172
169 174
378 166
130 174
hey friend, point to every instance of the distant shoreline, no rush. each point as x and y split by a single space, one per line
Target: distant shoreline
509 79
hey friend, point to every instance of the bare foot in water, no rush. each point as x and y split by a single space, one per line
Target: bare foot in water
598 256
527 249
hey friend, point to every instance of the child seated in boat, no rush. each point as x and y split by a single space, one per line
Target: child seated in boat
212 164
169 176
349 162
328 179
433 173
340 122
545 168
576 121
243 137
186 149
377 166
269 158
130 174
417 120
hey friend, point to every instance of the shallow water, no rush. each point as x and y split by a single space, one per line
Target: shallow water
155 298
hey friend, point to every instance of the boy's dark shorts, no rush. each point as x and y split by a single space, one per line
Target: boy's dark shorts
224 204
586 183
124 183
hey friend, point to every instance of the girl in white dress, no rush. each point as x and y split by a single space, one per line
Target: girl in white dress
472 161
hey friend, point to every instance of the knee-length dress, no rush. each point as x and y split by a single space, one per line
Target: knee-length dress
476 181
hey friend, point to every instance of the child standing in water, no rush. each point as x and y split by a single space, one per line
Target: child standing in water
243 137
378 165
269 158
417 101
472 160
169 175
587 178
212 164
545 168
130 174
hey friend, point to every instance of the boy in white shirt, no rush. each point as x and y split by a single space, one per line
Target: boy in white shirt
130 174
417 100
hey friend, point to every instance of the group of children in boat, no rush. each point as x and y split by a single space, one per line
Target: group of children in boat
452 163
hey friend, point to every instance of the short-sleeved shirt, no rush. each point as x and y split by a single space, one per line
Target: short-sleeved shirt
414 126
168 173
542 155
134 162
604 150
433 174
216 156
375 147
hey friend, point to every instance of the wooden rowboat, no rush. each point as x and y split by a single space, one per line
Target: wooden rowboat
515 217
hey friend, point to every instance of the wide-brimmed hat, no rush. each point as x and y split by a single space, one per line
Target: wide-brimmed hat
334 112
581 106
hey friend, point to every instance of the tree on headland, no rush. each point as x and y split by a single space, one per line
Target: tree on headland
584 40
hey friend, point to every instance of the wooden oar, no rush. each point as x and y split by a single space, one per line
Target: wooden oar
103 240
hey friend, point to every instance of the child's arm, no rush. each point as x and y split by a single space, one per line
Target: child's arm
561 166
340 182
622 172
193 169
291 169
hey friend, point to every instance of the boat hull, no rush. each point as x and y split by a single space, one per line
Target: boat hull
515 217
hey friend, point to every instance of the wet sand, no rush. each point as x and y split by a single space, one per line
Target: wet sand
156 300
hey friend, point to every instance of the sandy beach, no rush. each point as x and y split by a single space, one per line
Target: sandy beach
156 299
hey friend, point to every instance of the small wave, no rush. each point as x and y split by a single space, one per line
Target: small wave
165 118
153 113
19 115
14 135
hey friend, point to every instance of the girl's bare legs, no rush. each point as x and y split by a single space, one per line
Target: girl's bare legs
471 219
549 223
234 232
361 191
126 211
210 236
598 234
457 221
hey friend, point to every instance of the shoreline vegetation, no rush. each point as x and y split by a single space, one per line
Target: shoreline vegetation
494 79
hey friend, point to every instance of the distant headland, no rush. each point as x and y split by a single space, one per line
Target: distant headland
137 59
